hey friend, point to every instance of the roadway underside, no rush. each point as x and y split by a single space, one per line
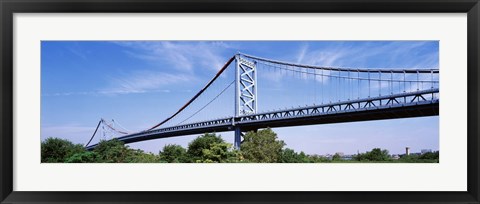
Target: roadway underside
380 114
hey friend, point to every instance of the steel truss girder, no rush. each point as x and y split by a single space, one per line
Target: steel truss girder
408 99
352 105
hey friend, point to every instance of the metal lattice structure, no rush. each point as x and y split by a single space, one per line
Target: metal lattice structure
246 87
246 92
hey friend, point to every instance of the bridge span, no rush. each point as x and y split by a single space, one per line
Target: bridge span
405 99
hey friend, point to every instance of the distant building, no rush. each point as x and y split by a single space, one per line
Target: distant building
340 154
423 151
407 151
395 156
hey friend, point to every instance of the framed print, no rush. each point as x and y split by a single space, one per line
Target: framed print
255 102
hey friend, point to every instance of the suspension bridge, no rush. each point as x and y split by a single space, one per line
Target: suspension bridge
249 93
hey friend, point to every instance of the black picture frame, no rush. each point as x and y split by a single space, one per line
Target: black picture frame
10 7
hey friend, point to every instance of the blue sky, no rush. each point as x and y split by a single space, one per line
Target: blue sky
140 83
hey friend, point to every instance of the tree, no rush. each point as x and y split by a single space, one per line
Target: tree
139 156
83 157
173 154
220 153
336 157
304 158
376 154
262 146
196 147
430 156
317 159
111 151
55 150
289 156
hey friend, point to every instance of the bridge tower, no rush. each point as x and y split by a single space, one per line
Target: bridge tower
245 92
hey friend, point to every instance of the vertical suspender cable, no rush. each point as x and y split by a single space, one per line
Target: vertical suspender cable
369 84
349 86
315 85
338 88
379 83
322 84
431 76
391 81
417 80
359 80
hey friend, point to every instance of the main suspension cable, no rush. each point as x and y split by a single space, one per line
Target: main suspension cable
383 70
112 128
196 95
95 132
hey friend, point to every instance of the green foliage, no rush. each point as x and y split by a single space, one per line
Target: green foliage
237 157
337 157
173 154
289 156
376 154
304 158
83 157
318 159
55 150
258 147
111 151
219 153
429 157
412 158
139 156
196 147
262 146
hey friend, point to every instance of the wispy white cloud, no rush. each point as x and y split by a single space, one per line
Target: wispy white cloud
305 55
179 59
145 82
301 53
107 92
181 62
343 56
430 61
321 57
136 83
382 55
181 56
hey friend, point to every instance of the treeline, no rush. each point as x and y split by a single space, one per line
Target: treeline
379 155
257 147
